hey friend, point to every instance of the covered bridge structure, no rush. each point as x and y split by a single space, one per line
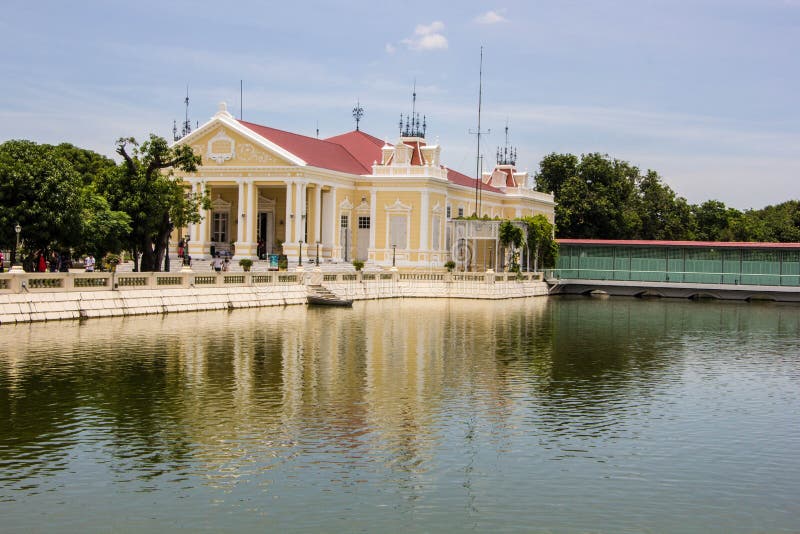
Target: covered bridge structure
726 270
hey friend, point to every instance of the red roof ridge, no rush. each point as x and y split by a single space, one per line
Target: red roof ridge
315 152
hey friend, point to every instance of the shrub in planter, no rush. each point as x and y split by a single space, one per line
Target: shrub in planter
246 263
450 265
358 264
283 262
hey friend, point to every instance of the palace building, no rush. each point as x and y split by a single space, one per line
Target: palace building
352 196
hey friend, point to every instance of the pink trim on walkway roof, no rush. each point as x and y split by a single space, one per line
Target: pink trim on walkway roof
647 243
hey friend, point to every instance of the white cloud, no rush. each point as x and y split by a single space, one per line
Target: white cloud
390 48
491 17
428 37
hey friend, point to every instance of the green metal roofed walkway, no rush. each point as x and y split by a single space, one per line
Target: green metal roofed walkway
723 270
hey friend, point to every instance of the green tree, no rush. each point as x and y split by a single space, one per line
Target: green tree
511 237
143 186
40 191
540 238
554 171
716 222
663 215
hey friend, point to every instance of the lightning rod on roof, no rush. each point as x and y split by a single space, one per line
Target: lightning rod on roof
478 133
187 124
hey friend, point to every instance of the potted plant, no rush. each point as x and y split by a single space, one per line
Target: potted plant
246 263
449 265
283 262
111 261
358 265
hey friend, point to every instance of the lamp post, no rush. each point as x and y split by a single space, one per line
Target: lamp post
317 253
15 265
394 250
300 263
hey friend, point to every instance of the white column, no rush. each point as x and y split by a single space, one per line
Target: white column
252 212
334 219
318 213
423 221
289 213
300 212
373 213
202 237
240 210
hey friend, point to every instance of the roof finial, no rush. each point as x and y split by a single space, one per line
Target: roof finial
358 112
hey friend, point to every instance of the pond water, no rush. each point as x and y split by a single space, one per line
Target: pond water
535 415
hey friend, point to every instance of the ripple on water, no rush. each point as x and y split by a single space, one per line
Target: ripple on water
567 415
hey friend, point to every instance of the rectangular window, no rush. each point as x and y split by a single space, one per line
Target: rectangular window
461 212
219 227
397 231
344 221
448 211
436 231
363 222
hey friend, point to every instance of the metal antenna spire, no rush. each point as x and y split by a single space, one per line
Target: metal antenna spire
508 155
478 134
187 125
358 112
414 99
413 127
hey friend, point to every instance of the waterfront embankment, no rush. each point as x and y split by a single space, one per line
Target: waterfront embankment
28 297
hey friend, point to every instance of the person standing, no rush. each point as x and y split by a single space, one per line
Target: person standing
88 263
42 267
216 263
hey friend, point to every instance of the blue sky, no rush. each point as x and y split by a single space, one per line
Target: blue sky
705 92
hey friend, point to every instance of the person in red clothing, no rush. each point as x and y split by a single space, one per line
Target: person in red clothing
42 267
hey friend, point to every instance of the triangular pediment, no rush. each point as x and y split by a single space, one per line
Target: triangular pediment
221 145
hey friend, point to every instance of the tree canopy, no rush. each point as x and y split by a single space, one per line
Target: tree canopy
143 187
598 197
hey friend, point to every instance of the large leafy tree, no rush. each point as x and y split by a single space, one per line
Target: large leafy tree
143 186
596 197
663 215
40 191
49 191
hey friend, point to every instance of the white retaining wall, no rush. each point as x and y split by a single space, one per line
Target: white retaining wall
47 297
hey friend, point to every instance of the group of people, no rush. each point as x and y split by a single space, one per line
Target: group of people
221 264
54 262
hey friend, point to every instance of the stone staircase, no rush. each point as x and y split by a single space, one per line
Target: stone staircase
322 295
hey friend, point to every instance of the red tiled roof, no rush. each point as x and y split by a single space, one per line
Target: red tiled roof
315 152
362 146
462 179
648 243
352 152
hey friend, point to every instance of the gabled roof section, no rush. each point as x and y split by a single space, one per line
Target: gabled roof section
315 152
364 147
462 179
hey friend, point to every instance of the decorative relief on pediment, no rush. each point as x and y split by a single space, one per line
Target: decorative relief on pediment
363 207
221 147
398 206
346 204
248 153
